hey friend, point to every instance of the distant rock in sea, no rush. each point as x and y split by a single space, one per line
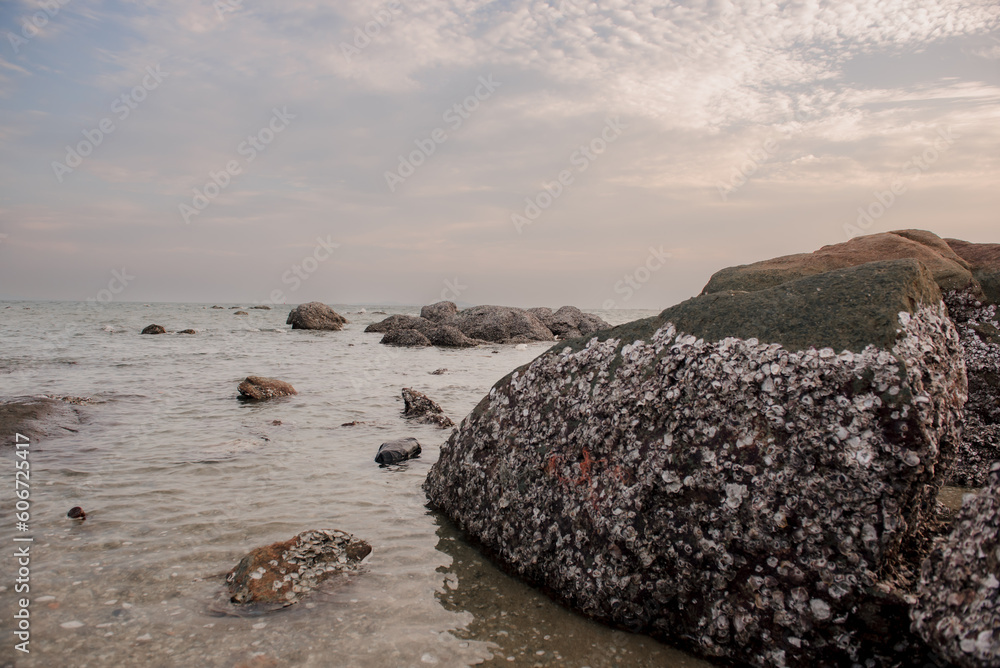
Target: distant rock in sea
187 331
405 337
262 307
418 407
218 307
282 574
315 315
153 329
749 474
442 324
241 313
259 388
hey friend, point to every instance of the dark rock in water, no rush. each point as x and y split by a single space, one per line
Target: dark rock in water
76 513
421 408
153 329
447 336
259 388
501 324
394 322
958 602
219 307
405 337
438 372
569 322
187 331
740 474
263 307
241 313
283 573
396 451
441 312
984 260
315 315
39 417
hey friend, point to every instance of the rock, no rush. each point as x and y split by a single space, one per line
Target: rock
38 418
438 372
501 324
281 574
394 322
315 315
244 313
153 329
984 260
263 307
219 307
396 451
542 313
421 408
441 312
569 322
965 273
950 271
76 513
958 601
405 337
259 388
450 337
739 474
187 331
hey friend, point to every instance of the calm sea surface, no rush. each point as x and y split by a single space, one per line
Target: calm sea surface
180 479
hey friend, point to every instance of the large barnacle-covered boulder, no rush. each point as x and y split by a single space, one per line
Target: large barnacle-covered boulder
958 606
737 474
968 275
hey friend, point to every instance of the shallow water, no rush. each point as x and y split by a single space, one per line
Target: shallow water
180 479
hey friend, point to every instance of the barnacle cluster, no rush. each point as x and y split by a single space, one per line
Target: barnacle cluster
732 495
958 604
282 573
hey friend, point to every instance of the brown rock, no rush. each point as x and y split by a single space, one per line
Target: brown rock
405 337
281 574
259 388
440 312
153 329
984 259
421 408
950 271
315 315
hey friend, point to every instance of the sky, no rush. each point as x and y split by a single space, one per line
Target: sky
516 152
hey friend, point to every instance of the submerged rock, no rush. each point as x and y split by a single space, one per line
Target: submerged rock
259 388
735 475
281 574
418 407
315 315
153 329
958 603
393 452
187 331
405 337
39 417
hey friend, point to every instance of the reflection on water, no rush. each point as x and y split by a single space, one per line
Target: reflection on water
526 628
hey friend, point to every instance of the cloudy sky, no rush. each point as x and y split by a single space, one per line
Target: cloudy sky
514 152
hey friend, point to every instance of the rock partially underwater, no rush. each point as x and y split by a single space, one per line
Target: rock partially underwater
315 315
281 574
746 474
418 407
258 388
393 452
